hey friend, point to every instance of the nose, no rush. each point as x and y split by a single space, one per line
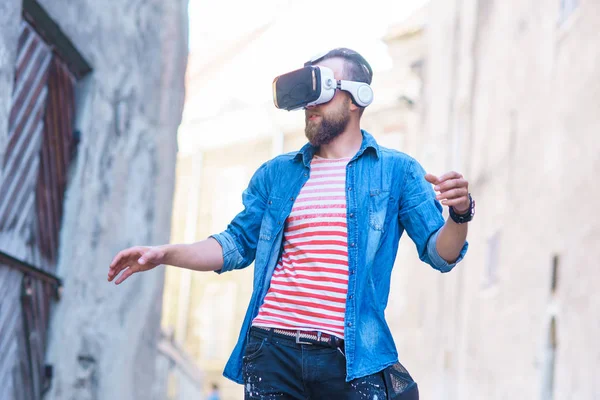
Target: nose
310 107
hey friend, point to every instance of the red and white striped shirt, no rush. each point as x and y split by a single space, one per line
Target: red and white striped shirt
309 285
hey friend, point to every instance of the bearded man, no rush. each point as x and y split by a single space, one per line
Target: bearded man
322 226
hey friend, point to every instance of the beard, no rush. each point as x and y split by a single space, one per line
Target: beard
328 128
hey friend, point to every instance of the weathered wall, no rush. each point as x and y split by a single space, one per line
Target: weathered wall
10 18
102 337
120 193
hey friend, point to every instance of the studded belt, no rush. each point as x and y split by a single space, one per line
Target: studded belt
299 336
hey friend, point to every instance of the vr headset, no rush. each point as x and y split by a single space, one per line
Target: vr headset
314 85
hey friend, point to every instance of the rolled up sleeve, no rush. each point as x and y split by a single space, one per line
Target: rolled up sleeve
232 253
437 261
421 215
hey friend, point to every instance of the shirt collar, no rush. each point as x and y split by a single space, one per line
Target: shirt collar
307 152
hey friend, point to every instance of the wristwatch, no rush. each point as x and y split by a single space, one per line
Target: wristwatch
467 216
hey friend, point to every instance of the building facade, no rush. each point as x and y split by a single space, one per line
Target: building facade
511 93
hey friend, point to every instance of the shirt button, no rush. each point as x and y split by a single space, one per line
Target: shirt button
291 198
349 324
351 296
351 272
305 174
270 202
352 244
350 189
278 222
351 215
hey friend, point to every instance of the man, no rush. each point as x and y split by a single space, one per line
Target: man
214 393
322 226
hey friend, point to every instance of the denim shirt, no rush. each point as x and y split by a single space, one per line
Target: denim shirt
386 193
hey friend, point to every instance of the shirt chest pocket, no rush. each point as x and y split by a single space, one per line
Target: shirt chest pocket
271 221
381 208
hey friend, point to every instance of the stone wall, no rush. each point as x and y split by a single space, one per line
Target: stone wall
102 339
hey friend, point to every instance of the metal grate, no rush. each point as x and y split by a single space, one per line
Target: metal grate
32 185
25 133
54 158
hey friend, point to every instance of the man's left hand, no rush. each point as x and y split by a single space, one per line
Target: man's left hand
453 190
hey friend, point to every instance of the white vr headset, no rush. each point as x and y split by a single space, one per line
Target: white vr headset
314 85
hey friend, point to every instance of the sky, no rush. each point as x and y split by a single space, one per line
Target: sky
239 47
303 26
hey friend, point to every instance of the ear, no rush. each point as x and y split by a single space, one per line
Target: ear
353 107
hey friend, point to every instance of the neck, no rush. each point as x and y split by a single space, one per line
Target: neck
345 145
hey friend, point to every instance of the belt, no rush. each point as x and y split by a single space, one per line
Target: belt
299 336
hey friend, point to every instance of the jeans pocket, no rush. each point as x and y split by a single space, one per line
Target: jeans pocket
254 348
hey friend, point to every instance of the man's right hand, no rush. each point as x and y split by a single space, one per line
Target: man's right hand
135 259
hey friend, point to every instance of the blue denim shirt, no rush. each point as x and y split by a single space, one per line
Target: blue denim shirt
386 193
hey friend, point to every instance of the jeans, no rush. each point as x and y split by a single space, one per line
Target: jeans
279 368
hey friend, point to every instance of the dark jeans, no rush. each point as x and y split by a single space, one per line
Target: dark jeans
279 368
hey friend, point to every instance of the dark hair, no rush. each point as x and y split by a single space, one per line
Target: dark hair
356 68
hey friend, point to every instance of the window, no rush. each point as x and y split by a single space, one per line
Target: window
554 278
551 341
491 266
40 136
38 152
549 363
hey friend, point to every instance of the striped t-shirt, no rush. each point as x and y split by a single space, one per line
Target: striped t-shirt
309 285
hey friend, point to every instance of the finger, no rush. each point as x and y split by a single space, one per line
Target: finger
112 274
449 175
453 194
123 260
431 179
154 257
114 270
125 255
117 259
149 256
456 202
128 272
451 184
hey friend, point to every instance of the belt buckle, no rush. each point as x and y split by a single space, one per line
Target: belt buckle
298 341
